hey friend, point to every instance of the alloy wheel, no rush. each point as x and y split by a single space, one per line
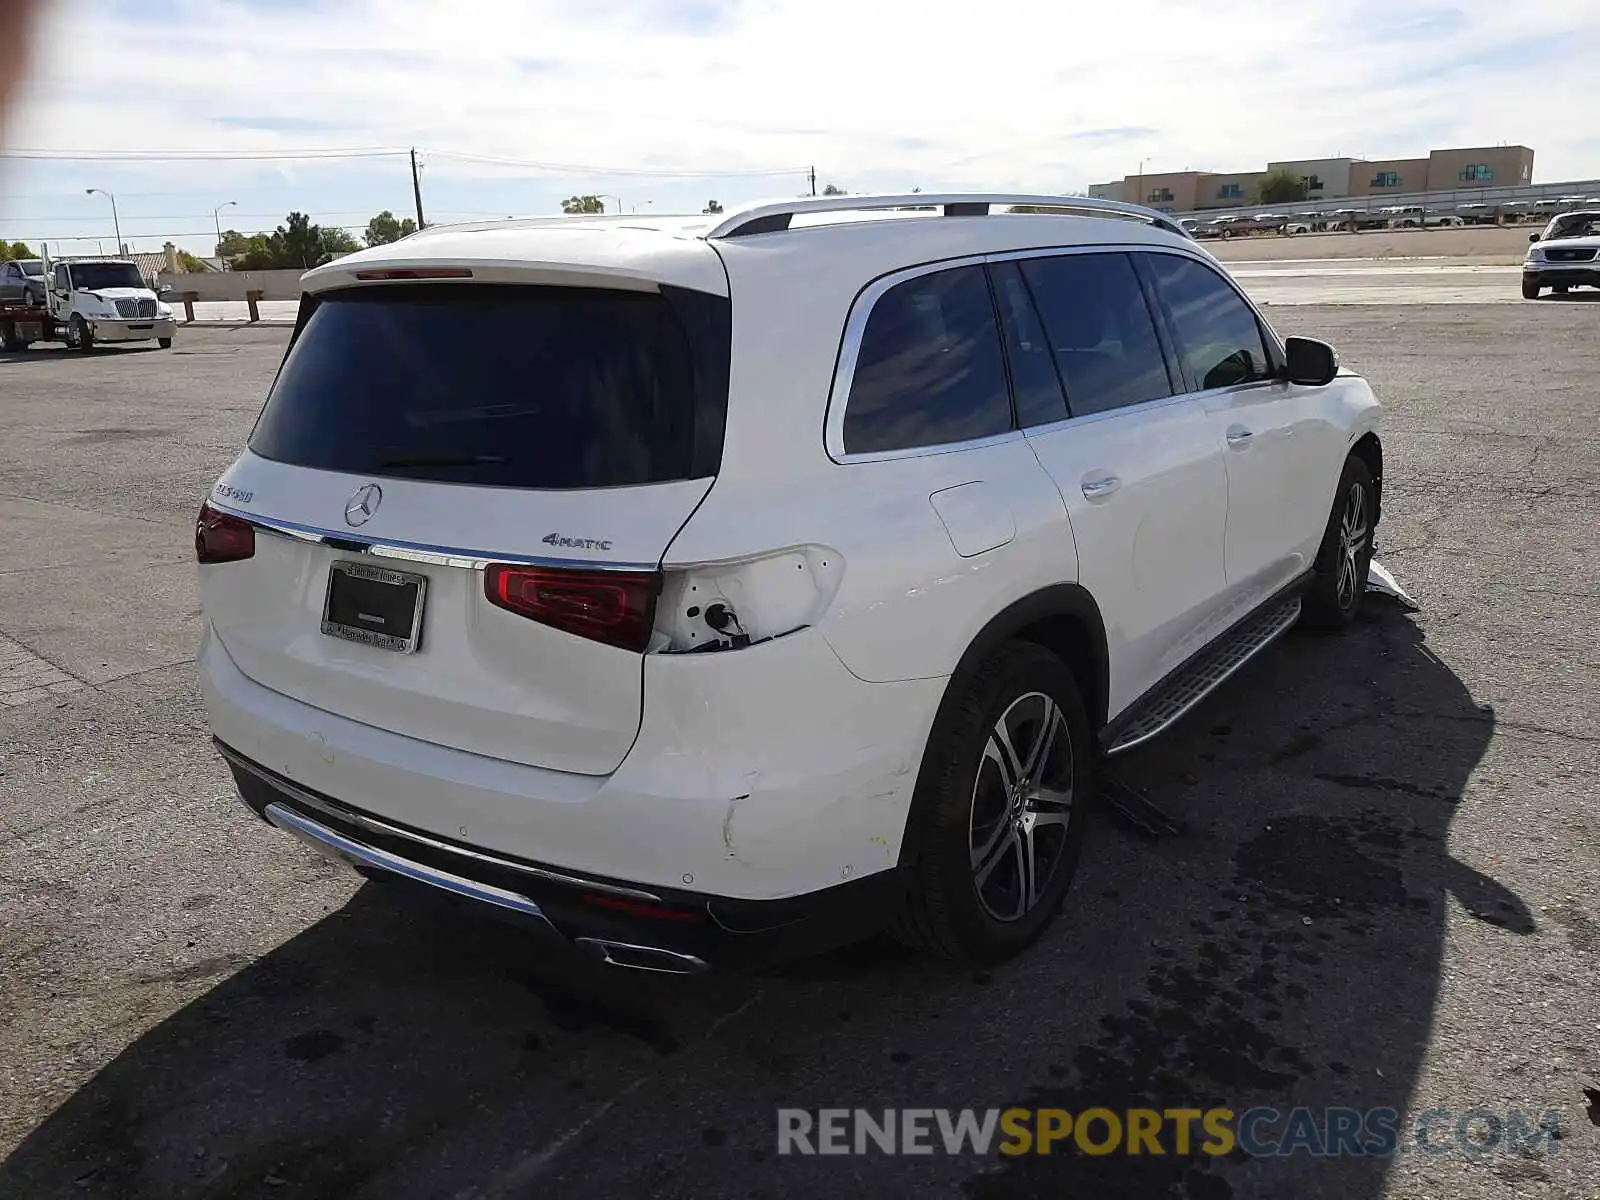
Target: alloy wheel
1352 541
1021 807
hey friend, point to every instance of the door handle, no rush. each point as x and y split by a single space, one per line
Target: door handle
1099 489
1239 437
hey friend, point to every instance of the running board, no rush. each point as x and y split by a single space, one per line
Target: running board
1203 676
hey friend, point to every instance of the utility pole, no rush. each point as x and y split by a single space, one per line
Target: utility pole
813 175
416 189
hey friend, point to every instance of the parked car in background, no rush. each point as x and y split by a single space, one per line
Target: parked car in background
763 625
1564 255
22 281
1402 216
1435 218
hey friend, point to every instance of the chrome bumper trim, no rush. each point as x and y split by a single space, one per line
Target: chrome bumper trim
343 849
317 803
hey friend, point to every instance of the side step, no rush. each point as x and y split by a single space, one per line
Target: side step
1201 677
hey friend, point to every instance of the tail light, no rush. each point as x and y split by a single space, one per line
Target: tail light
221 537
614 607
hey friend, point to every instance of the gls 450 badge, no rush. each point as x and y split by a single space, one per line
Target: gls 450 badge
571 543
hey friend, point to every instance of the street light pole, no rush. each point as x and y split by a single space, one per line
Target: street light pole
1139 187
216 219
116 225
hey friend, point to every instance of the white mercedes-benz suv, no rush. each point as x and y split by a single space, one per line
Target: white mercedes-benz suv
716 588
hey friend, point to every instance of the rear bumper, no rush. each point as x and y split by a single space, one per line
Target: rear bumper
668 930
106 330
762 774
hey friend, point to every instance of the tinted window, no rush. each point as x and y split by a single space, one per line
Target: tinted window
930 369
1219 338
1100 330
527 387
92 276
1034 381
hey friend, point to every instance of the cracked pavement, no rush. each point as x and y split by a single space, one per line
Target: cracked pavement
1386 891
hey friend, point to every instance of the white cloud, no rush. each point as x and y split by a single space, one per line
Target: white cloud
875 92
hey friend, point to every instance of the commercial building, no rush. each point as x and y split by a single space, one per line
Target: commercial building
1329 178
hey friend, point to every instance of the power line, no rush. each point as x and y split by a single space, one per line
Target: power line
196 155
581 169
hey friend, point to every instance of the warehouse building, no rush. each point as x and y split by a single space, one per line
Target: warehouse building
1329 178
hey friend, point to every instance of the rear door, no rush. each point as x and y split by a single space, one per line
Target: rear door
431 430
1143 482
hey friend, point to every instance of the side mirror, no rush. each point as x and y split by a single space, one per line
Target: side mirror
1533 237
1311 362
164 290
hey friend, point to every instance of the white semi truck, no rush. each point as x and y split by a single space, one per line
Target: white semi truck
87 301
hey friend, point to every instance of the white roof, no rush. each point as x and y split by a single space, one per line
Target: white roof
648 251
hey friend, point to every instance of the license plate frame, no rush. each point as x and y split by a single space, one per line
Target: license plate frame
384 638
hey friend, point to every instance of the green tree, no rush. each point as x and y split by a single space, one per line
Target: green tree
832 190
588 205
386 227
189 264
711 207
15 250
1281 187
297 244
336 242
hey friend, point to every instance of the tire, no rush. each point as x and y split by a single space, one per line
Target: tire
164 343
1530 291
966 896
82 335
9 341
1339 576
29 300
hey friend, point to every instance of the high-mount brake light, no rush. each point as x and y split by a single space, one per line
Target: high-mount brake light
614 607
416 273
221 537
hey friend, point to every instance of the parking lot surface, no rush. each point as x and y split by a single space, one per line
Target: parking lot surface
1386 891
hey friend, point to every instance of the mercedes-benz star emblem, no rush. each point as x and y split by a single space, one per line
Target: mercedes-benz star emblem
362 505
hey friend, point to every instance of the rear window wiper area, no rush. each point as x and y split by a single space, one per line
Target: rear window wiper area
399 462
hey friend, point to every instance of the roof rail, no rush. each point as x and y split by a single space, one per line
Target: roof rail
776 217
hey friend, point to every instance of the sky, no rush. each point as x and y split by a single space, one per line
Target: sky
666 104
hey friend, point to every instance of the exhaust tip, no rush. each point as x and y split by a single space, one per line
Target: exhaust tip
640 958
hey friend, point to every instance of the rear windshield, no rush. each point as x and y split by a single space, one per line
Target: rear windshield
527 387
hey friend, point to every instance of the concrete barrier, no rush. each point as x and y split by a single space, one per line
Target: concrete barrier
236 285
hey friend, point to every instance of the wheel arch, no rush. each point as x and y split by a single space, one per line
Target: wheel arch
1369 449
1063 618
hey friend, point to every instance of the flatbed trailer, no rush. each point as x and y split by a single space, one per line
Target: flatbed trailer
23 324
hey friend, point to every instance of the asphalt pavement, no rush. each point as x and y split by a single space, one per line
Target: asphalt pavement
1385 894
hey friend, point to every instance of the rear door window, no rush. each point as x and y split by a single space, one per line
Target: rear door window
930 370
508 386
1219 338
1033 369
1100 330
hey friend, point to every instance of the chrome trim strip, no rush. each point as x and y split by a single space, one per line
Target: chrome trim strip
603 947
418 552
313 801
338 847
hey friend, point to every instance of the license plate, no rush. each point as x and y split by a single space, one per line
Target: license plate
374 606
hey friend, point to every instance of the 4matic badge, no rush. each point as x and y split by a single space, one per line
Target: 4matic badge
571 543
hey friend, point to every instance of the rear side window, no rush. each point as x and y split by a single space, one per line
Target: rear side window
930 369
526 387
1100 330
1033 369
1219 338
